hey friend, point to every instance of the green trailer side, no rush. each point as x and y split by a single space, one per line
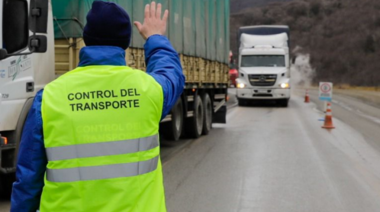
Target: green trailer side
198 30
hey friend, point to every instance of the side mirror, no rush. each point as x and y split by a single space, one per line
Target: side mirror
38 19
37 44
3 54
16 13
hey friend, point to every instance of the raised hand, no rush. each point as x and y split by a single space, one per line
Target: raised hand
153 24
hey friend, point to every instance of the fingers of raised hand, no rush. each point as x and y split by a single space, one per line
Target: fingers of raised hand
147 11
153 23
158 11
166 15
153 10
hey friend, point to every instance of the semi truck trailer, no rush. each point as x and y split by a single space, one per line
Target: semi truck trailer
41 40
264 64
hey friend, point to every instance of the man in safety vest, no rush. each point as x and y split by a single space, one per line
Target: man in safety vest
90 142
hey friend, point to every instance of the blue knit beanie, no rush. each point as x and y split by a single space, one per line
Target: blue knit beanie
108 24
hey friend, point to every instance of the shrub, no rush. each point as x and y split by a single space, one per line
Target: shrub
297 10
268 21
315 8
377 22
369 44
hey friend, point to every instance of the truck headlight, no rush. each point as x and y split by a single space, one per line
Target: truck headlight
284 85
240 85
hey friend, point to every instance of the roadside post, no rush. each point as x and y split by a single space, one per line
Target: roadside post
325 92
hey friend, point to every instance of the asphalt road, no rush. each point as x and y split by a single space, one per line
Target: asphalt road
279 159
269 158
4 205
362 116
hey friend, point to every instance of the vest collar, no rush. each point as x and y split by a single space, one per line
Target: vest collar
102 55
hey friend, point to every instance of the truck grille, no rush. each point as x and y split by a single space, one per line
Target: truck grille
262 79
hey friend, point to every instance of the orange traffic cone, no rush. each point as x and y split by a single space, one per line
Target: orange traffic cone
328 119
307 98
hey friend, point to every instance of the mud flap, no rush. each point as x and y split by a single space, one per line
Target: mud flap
220 115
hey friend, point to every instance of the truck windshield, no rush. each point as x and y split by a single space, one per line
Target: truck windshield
263 61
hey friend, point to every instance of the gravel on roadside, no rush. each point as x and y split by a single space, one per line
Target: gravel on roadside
369 97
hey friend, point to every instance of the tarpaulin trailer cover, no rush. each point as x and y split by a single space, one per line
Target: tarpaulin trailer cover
197 28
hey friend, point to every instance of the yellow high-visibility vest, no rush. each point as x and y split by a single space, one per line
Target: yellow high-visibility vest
100 127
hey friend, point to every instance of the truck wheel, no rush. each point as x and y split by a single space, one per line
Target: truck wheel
242 102
6 182
284 102
207 112
172 130
194 125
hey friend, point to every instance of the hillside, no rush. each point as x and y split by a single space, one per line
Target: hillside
239 5
341 36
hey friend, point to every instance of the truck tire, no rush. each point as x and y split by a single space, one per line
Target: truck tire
283 102
172 130
6 182
194 124
207 114
242 102
286 103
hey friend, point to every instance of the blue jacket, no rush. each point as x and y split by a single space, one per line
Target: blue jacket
163 65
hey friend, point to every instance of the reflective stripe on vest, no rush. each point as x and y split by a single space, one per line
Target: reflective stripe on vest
102 172
102 149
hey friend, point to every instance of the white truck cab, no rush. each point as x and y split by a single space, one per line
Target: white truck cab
264 66
26 66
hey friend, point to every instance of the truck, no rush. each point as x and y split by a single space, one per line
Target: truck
41 40
264 64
